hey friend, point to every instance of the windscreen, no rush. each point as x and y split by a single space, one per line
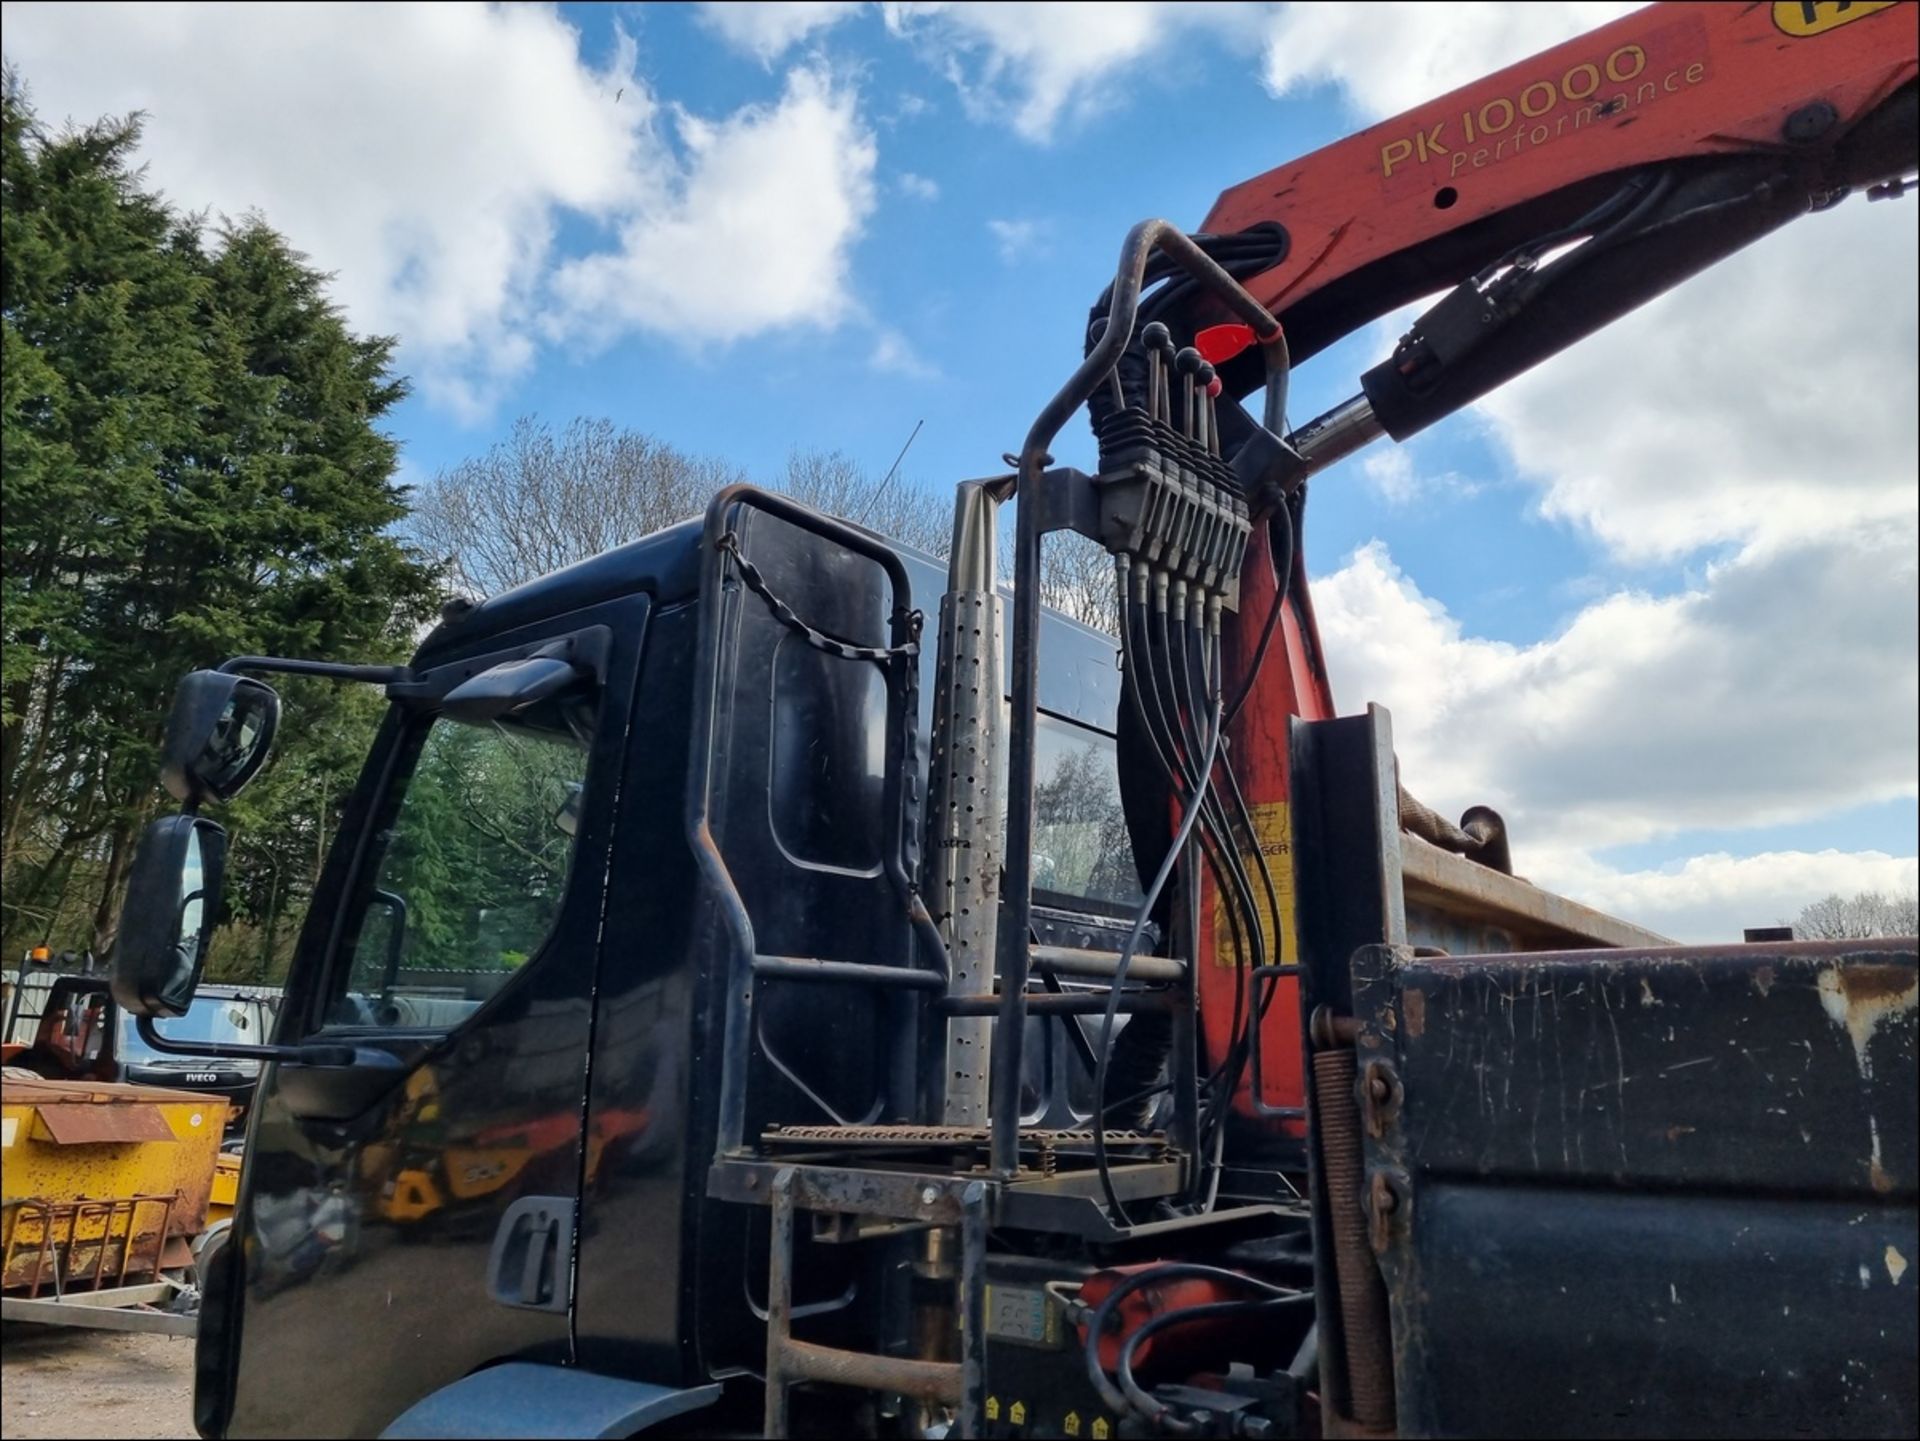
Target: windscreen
472 868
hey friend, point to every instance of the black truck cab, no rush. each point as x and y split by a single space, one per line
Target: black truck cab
511 936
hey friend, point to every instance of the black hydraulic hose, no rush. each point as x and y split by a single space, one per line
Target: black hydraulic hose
1220 854
1186 714
1613 234
1137 642
1246 1021
1168 1271
1189 673
1136 653
1266 879
1188 702
1235 809
1242 254
1220 859
1138 1400
1588 224
1112 1011
1230 875
1133 650
1239 900
1166 700
1102 357
1283 576
1241 811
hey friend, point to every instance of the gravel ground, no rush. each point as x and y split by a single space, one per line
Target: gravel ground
60 1381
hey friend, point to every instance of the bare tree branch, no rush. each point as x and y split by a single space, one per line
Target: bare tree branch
538 501
1870 913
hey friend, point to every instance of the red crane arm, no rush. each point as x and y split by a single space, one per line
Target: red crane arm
1664 142
1817 86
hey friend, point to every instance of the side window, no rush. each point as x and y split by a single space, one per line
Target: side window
471 871
1080 843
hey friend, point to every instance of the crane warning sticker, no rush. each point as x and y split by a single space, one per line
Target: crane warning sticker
1803 20
1273 827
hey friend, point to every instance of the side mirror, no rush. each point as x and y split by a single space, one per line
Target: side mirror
173 893
566 820
218 735
395 906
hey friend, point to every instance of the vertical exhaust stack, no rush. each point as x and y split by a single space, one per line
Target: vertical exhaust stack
964 833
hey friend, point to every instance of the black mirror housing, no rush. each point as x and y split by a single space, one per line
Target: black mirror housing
219 733
173 897
510 687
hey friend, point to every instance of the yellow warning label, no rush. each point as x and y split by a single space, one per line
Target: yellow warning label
1017 1413
1274 827
1101 1430
993 1408
1070 1423
1802 19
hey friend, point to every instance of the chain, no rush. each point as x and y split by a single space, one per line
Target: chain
819 640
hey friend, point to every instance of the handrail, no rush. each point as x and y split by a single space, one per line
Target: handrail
1016 916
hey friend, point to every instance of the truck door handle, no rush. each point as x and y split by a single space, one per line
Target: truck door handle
526 1266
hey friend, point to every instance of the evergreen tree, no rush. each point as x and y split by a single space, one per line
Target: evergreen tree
193 468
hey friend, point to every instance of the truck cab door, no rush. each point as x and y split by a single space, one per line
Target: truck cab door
410 1219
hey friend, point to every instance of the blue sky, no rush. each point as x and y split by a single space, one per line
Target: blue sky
993 334
1651 602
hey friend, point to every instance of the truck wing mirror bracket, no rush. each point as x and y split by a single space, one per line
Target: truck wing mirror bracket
501 682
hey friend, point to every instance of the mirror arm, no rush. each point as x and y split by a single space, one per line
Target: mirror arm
299 1055
332 670
396 905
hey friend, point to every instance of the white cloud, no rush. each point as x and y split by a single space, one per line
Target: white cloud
1391 57
1392 474
1389 470
767 31
893 354
917 186
1777 689
1017 239
1036 65
1780 688
1031 65
754 236
427 155
1775 397
1715 897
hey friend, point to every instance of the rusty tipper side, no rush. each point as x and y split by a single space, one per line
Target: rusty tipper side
1672 1160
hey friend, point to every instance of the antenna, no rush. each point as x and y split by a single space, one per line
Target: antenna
880 489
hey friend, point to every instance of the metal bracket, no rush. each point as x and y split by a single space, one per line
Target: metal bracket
1380 1096
1389 1207
961 1384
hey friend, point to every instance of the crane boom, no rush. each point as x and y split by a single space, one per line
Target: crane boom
1823 93
1541 202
